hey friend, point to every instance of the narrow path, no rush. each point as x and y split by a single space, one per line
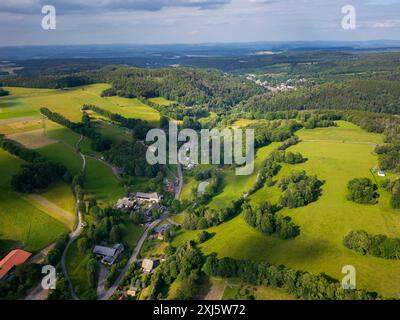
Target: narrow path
103 273
77 232
180 177
107 295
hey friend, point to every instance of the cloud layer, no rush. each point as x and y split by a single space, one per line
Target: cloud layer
195 21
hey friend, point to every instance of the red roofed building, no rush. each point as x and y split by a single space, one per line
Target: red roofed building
11 260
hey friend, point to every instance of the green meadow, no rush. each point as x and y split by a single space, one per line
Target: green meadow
15 108
68 102
21 223
101 183
63 154
335 157
162 101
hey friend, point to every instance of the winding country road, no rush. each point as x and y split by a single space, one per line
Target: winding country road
77 232
180 177
108 294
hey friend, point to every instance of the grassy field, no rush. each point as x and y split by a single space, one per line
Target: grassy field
61 195
101 183
63 154
162 101
76 268
235 186
11 107
22 224
323 223
68 102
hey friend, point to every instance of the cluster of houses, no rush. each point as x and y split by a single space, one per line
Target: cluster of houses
135 200
284 86
146 202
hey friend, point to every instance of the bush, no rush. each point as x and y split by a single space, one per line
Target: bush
299 190
374 245
362 190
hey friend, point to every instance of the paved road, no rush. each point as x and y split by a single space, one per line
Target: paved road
103 273
132 259
180 177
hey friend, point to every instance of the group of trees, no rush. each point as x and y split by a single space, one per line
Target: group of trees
289 143
37 176
55 254
24 278
38 173
203 218
275 131
214 186
393 186
299 189
287 157
302 284
362 190
178 111
267 219
183 263
389 157
107 226
374 245
131 158
98 142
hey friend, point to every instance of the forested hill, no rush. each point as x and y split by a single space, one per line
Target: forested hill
186 85
367 95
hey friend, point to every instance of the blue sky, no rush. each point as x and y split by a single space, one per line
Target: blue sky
195 21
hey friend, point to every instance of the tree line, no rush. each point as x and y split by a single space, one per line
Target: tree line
98 142
374 245
138 126
38 173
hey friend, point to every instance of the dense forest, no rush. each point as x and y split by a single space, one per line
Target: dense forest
367 95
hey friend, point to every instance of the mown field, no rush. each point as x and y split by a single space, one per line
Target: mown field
335 155
21 223
68 102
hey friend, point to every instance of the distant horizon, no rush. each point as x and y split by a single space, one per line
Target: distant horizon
202 43
168 22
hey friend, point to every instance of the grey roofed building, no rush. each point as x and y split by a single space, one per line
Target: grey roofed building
153 197
108 255
125 203
104 251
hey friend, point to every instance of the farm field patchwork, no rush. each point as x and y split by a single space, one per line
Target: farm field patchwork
323 223
21 223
